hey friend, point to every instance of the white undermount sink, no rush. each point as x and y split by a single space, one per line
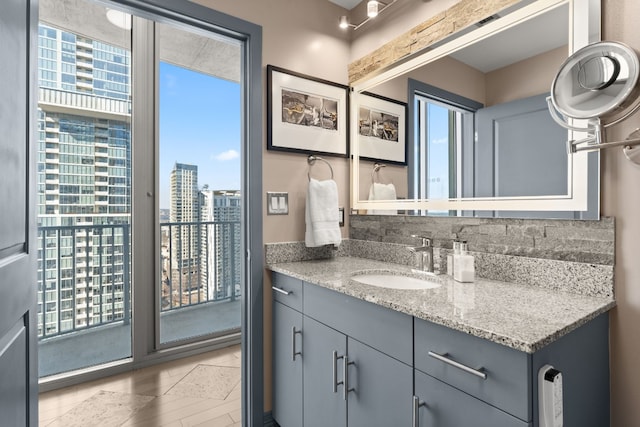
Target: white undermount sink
395 281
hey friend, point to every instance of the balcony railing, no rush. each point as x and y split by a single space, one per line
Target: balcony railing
83 277
84 272
200 262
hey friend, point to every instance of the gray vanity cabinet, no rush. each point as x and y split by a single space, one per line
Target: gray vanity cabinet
444 406
382 388
449 365
324 401
363 335
399 367
287 351
378 387
342 335
287 365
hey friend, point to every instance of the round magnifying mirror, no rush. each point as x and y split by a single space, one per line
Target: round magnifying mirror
598 72
598 80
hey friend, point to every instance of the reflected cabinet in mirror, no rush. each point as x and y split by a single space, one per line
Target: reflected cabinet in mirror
479 138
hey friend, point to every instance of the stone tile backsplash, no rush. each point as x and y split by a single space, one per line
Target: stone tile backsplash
564 240
566 255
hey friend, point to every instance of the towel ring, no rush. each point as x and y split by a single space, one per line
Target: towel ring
312 160
376 168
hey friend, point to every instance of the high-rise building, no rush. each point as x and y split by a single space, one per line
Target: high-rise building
221 236
84 181
184 216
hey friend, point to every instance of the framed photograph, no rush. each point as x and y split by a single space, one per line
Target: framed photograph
306 114
382 132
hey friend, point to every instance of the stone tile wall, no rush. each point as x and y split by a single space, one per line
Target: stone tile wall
565 240
564 255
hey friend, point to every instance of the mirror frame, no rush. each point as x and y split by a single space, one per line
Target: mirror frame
584 21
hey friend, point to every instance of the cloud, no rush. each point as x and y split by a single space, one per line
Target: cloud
170 81
226 155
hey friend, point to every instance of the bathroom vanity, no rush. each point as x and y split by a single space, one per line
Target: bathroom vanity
451 355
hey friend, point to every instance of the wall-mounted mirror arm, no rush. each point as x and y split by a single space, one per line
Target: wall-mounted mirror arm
599 80
596 130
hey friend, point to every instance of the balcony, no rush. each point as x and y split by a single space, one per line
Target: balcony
88 319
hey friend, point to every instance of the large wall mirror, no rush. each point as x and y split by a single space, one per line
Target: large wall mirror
480 140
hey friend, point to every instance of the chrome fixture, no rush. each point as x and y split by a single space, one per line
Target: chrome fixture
311 160
374 8
426 253
598 82
376 168
446 359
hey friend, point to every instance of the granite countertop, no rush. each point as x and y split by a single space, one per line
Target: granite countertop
523 317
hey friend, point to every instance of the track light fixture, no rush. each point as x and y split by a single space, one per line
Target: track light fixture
344 22
374 8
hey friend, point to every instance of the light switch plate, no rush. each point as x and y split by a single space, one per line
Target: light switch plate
277 203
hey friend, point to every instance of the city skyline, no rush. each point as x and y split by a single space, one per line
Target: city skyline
85 177
189 102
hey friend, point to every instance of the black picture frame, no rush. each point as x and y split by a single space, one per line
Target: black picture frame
306 114
382 133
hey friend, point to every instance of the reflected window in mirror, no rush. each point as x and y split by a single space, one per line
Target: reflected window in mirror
441 143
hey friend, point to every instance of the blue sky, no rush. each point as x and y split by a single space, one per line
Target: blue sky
199 125
438 156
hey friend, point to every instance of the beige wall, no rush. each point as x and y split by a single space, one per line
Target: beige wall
621 200
526 78
301 35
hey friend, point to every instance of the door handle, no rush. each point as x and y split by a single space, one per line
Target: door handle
448 361
293 343
282 291
335 382
345 374
416 410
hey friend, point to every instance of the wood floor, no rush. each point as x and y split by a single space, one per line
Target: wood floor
202 390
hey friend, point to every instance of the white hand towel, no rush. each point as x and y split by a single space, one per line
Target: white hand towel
379 191
321 214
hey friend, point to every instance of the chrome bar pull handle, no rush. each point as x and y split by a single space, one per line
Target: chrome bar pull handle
345 375
472 371
294 353
282 291
335 382
416 410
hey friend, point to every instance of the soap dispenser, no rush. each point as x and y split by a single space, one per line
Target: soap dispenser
463 265
450 257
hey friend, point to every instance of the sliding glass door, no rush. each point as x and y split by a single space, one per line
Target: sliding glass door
139 153
199 178
84 187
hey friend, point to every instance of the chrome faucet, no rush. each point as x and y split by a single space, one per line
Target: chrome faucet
426 253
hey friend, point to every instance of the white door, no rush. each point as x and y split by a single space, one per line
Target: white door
18 361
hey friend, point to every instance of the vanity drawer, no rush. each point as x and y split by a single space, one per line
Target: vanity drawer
384 329
287 290
507 371
445 406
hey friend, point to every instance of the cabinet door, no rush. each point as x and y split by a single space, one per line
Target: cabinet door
322 406
287 366
445 406
382 388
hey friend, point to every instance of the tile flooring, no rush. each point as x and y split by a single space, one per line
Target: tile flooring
202 390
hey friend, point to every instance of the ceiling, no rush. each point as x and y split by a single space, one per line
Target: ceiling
347 4
498 50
